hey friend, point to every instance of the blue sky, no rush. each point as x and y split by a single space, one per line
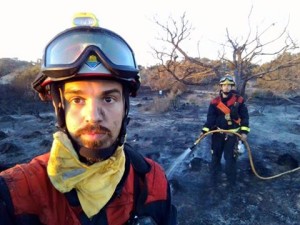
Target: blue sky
27 26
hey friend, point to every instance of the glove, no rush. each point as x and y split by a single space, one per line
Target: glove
244 136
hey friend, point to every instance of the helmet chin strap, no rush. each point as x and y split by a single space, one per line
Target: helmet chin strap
89 155
55 90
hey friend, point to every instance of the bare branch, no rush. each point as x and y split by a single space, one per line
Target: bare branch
178 64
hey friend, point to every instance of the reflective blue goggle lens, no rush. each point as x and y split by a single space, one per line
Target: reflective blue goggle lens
64 51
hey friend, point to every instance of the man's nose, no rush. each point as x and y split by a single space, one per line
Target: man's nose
94 111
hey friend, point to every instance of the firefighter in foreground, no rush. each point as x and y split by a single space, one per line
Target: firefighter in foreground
90 176
227 112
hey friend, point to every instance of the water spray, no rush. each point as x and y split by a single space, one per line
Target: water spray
182 156
170 171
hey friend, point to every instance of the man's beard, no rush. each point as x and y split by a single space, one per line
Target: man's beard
95 128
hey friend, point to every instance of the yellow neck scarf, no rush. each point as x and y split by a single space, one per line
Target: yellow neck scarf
95 184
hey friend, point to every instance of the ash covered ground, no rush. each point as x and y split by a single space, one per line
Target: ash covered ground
274 144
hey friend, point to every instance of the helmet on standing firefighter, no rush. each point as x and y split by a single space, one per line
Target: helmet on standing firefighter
86 51
227 79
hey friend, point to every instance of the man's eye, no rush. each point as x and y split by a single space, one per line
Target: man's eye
77 100
108 99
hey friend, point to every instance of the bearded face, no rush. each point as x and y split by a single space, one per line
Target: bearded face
94 112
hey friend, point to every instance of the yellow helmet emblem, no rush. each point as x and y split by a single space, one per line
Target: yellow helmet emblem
92 61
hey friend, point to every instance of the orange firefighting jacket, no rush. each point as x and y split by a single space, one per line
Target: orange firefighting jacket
28 197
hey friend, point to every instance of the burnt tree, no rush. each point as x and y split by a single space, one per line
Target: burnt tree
237 57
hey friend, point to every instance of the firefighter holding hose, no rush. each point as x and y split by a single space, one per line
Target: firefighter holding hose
227 111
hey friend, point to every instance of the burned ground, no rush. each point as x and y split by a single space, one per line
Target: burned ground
274 145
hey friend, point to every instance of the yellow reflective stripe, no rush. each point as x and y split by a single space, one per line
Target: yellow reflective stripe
234 130
245 128
205 129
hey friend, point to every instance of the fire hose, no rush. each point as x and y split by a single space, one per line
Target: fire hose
249 153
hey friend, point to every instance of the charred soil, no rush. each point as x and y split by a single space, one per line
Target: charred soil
274 143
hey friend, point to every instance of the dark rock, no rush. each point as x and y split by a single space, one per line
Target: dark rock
175 186
32 135
46 143
146 98
256 113
153 155
9 148
7 119
136 137
135 124
196 164
287 160
291 145
295 128
3 135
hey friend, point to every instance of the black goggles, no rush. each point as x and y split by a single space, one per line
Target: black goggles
69 50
